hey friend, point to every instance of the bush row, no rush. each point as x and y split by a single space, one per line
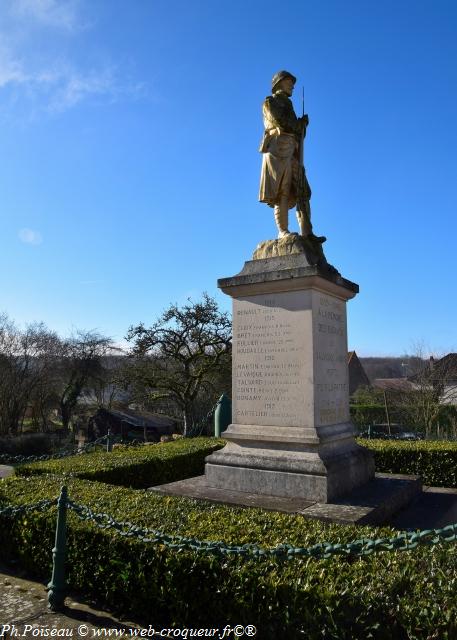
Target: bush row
32 444
434 461
145 466
390 595
137 467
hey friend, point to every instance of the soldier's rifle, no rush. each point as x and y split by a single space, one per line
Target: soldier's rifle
301 207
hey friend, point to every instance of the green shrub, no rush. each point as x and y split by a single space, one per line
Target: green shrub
435 461
366 414
136 467
32 444
390 595
145 466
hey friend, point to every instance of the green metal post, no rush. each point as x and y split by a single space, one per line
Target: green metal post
109 441
222 415
57 586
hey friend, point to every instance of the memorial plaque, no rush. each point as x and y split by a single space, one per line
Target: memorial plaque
271 355
290 360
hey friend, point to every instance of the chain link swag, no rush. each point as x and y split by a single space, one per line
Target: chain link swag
20 510
405 541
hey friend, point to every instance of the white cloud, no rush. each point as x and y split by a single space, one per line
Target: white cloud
73 86
63 84
11 70
59 14
42 72
60 86
29 236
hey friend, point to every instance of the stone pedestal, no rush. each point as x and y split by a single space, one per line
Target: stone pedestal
291 433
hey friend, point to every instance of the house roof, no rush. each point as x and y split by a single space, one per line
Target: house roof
443 370
393 384
136 419
447 366
357 374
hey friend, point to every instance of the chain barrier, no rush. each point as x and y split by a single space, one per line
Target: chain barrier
196 429
5 458
405 541
57 587
42 505
363 547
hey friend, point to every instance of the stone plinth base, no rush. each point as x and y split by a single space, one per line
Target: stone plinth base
309 468
291 435
376 503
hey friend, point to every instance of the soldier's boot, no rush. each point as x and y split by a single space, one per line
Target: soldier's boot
282 217
304 222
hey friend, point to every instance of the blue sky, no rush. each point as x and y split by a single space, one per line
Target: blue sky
129 167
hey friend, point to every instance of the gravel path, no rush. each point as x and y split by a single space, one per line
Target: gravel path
24 613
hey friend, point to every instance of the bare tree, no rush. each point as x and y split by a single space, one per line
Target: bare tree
431 401
105 387
80 364
44 396
26 357
181 355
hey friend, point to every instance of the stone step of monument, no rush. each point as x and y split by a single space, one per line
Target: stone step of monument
6 471
434 508
377 502
197 488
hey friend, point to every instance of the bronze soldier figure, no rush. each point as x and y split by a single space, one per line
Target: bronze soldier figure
283 182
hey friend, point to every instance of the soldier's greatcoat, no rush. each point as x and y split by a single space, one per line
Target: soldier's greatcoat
280 148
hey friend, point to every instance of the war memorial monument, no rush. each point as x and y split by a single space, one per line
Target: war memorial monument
291 444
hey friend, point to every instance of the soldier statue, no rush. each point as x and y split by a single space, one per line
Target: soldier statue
283 182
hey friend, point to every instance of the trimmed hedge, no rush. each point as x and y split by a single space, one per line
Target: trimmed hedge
435 461
142 467
136 467
390 595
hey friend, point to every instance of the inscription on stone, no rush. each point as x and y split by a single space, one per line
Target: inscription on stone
290 360
332 401
269 358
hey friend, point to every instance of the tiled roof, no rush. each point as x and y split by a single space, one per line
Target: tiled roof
394 384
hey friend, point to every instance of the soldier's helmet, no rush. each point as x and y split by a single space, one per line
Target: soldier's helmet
280 76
